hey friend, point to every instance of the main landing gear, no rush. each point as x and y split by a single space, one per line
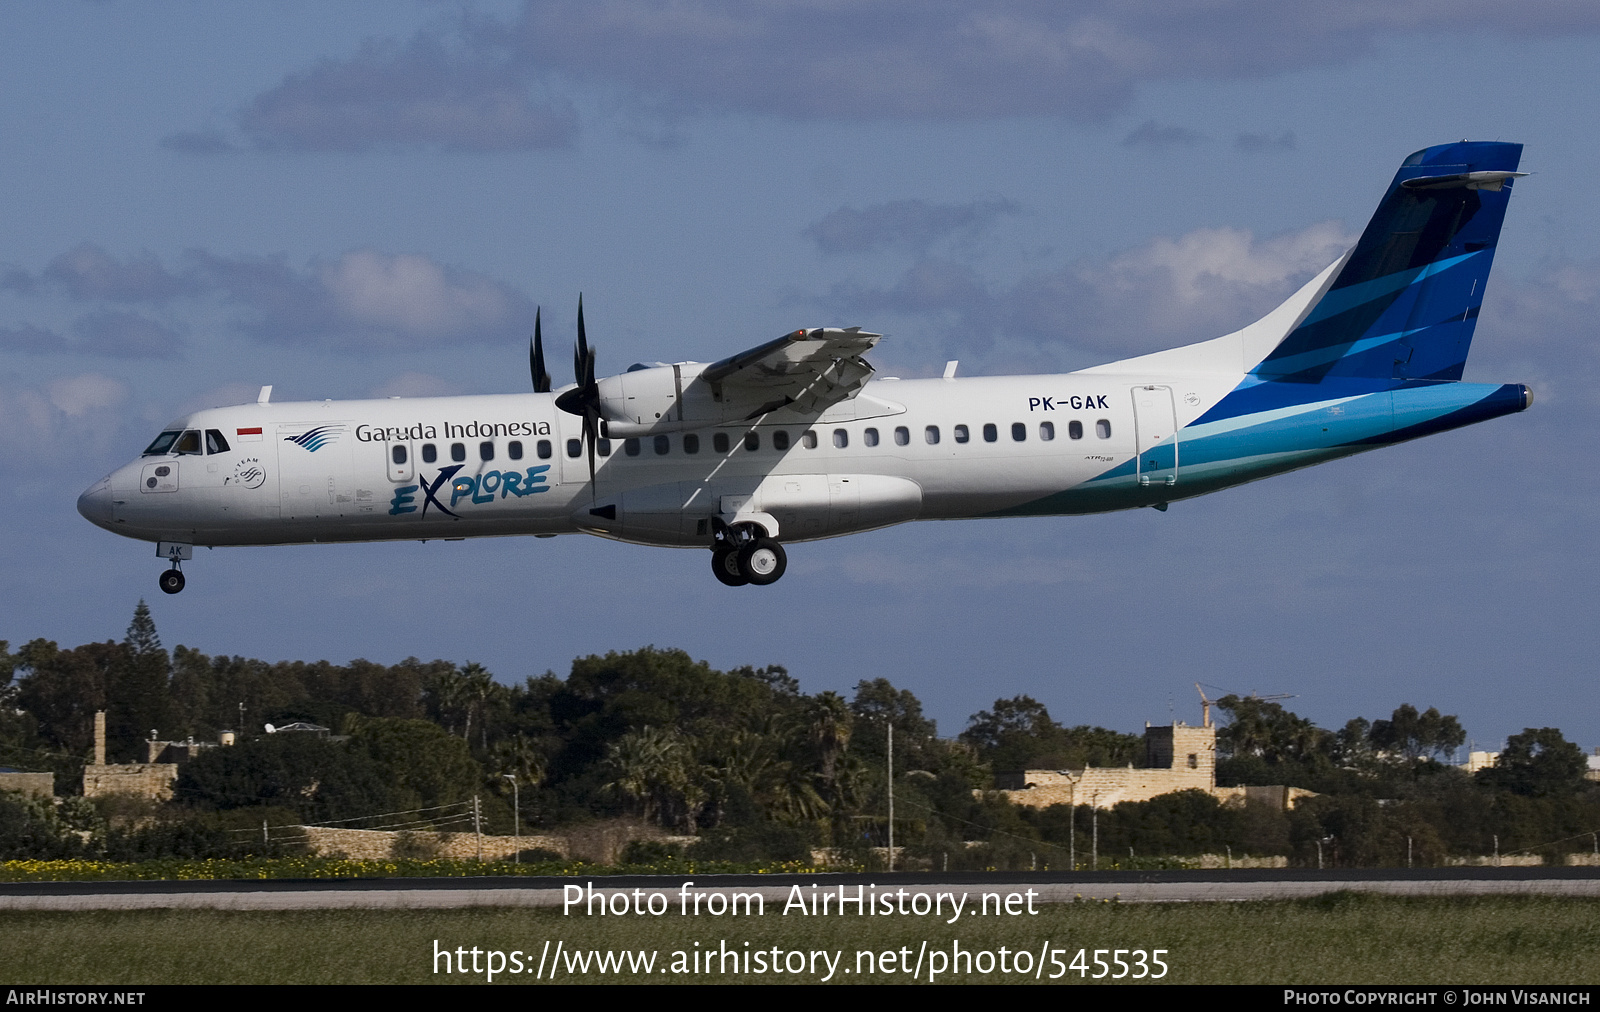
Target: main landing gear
744 554
172 580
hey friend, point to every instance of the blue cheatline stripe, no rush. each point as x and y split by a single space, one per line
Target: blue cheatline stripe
1238 449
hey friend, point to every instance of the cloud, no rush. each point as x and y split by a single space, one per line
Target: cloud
209 141
32 340
77 396
89 272
15 279
62 417
363 300
1151 137
117 334
483 83
1264 142
1167 292
417 384
1545 331
367 300
389 96
912 224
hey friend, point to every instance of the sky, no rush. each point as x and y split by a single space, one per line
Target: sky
369 199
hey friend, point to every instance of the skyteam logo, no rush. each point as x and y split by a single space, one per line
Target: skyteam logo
315 439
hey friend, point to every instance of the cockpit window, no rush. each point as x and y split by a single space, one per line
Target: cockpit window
163 443
189 442
215 442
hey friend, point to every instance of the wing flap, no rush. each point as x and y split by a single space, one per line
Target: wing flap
805 370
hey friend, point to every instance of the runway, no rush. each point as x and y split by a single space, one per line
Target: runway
1036 888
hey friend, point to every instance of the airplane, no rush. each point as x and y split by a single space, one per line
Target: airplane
796 440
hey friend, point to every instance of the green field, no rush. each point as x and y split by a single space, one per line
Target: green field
1340 938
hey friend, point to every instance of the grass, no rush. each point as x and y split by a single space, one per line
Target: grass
1340 938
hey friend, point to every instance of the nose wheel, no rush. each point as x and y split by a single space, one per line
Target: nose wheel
172 580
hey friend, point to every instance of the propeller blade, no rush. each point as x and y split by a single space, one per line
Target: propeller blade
583 340
591 433
541 378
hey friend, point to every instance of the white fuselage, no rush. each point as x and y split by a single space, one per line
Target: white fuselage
456 467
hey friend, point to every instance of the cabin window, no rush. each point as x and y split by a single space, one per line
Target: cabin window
486 451
574 447
990 433
663 444
215 442
458 452
1047 430
163 442
719 442
189 442
543 449
514 449
931 434
630 447
841 438
1102 428
809 439
870 437
691 443
752 441
1074 430
1019 431
962 435
780 439
902 436
397 453
430 453
604 446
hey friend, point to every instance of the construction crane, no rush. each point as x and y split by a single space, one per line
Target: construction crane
1207 704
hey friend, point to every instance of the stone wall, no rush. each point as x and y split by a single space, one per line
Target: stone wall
382 845
144 780
38 785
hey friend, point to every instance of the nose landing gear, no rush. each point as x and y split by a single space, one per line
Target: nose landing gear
744 554
172 580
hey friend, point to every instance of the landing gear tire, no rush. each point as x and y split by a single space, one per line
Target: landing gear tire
763 561
725 564
171 581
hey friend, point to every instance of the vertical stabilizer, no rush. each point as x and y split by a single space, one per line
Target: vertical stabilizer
1406 301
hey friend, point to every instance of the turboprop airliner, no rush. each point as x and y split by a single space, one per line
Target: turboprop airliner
794 440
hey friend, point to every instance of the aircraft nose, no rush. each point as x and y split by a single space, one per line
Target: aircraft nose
95 504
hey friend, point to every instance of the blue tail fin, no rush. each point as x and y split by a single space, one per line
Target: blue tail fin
1406 301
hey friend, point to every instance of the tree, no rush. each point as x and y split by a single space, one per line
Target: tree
138 696
1019 734
1267 731
1539 762
1418 735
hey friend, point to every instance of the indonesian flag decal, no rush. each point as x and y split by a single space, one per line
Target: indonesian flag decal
251 435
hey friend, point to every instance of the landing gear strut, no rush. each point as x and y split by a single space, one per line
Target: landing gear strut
172 580
744 554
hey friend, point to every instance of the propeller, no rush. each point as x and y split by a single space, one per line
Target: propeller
541 376
584 399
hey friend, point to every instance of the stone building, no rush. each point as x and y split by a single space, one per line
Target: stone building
1177 757
152 778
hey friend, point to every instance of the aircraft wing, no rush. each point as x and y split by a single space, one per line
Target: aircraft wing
806 370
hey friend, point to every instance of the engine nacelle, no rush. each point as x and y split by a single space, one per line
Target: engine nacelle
646 400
